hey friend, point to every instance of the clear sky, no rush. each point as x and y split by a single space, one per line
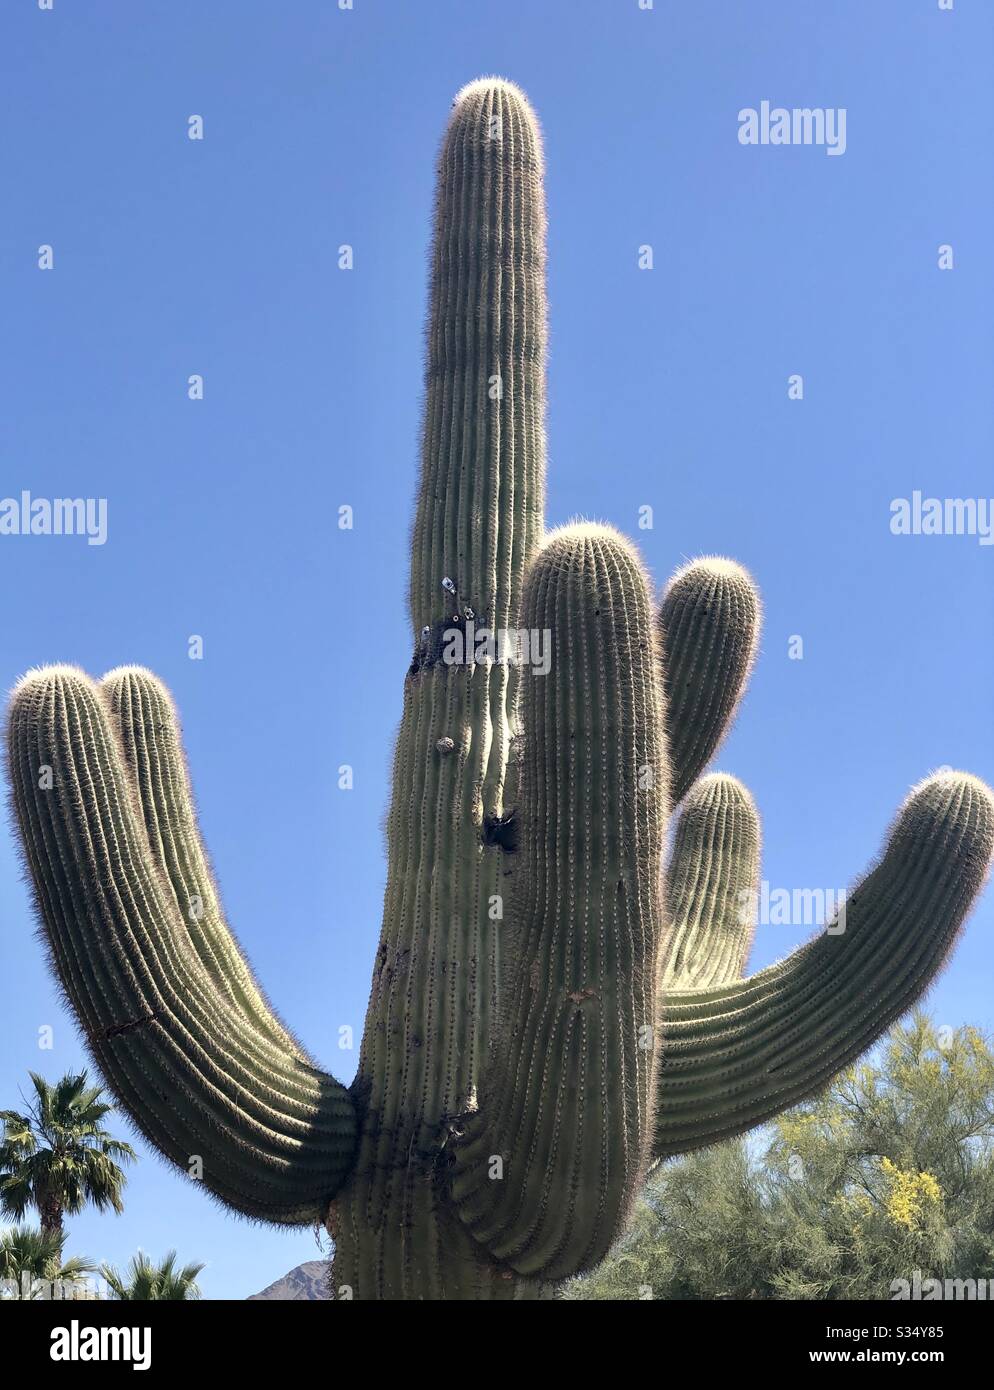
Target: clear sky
667 388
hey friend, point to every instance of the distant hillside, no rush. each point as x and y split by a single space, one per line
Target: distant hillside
307 1281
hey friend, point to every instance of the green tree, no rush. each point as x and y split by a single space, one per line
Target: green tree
889 1171
148 1282
57 1157
31 1260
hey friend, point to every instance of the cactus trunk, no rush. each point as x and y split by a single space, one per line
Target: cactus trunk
434 996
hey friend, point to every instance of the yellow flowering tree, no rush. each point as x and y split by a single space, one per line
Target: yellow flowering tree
890 1171
912 1198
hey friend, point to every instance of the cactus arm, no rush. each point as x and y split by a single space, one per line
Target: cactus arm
145 719
565 1103
738 1054
167 1005
708 624
711 886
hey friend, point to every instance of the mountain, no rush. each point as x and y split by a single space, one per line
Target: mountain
307 1281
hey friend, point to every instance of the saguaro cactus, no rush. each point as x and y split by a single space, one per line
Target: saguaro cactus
551 1012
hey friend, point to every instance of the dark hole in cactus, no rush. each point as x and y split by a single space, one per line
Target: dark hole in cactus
381 960
502 830
429 651
120 1030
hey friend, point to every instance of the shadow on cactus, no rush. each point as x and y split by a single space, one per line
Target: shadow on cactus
551 1012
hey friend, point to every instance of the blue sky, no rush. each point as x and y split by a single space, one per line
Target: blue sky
666 388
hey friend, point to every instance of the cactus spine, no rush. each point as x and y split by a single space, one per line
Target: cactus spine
549 1013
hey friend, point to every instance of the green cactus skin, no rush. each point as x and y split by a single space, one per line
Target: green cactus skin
567 1096
544 995
713 878
432 1007
709 623
167 1004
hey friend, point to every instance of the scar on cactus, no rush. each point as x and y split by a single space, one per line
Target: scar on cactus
502 830
605 1021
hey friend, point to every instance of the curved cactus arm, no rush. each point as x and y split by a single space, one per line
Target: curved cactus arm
735 1055
708 624
547 1167
166 1003
711 886
145 719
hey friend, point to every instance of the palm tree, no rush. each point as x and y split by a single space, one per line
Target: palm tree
58 1157
29 1257
148 1282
